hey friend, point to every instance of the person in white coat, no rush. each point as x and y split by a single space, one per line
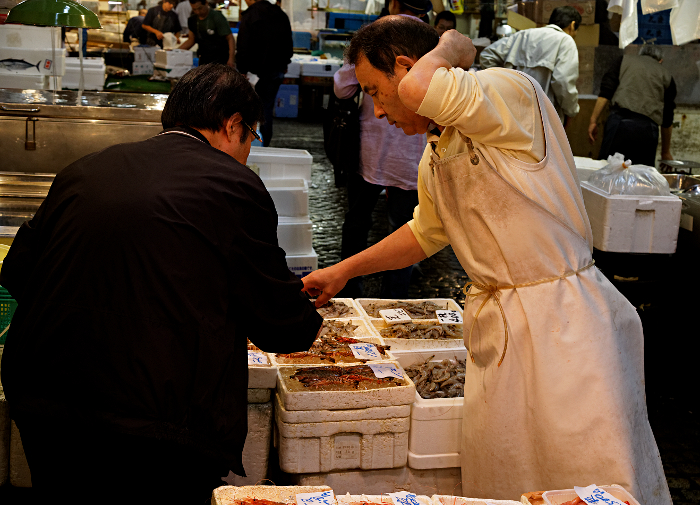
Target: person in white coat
554 391
547 54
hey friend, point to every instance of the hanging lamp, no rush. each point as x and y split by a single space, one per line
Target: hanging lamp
53 13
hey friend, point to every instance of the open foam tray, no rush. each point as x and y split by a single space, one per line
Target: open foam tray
356 311
227 495
362 499
347 360
408 344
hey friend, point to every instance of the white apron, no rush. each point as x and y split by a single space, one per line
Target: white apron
566 407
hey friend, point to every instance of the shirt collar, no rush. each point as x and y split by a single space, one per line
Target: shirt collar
189 131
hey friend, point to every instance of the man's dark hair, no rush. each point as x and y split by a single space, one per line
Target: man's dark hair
209 95
563 16
203 2
447 16
391 36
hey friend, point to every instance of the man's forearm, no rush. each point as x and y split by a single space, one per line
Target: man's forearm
149 29
600 104
666 142
231 49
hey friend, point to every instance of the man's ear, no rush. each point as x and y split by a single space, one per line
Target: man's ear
232 125
405 62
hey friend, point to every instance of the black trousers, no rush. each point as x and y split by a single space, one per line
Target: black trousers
74 463
634 135
267 88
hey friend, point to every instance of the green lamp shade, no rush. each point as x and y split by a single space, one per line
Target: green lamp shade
53 13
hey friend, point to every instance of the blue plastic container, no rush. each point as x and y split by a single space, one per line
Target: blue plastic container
287 101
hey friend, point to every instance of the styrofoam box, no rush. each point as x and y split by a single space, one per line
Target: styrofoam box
145 54
403 394
321 68
174 58
142 68
291 196
256 451
587 166
354 312
408 344
30 37
11 80
632 224
280 163
302 264
564 495
443 303
262 376
227 495
372 340
341 445
459 500
349 499
170 73
41 58
321 416
436 424
94 73
259 395
294 235
293 70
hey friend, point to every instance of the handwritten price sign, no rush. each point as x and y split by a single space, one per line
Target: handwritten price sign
382 370
365 351
404 498
395 316
449 317
594 494
257 358
324 498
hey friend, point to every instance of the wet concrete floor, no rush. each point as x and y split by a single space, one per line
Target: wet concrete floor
665 307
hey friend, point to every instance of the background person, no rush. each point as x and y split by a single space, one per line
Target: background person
265 48
183 11
547 54
499 185
137 286
133 28
642 95
209 29
444 21
159 20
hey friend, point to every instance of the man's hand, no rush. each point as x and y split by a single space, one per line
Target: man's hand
592 132
666 155
456 48
159 35
324 284
231 63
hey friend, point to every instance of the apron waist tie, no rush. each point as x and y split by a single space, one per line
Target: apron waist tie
491 291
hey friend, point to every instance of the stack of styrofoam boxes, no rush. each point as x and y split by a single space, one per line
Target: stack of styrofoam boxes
317 67
173 63
144 59
28 59
94 74
286 174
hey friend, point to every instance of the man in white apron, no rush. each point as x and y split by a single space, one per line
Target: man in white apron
555 394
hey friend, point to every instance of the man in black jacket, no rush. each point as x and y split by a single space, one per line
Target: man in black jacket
138 282
264 48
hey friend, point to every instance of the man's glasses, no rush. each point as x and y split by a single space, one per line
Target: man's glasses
255 134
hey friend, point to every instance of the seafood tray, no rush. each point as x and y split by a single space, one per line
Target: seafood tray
366 444
294 395
322 416
435 423
246 495
376 500
352 310
366 305
407 344
565 495
459 500
331 357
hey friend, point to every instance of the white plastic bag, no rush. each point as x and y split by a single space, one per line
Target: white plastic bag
652 6
620 177
685 22
629 26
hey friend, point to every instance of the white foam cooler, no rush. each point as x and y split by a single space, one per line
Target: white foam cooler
30 37
294 235
291 196
94 73
256 452
632 223
174 58
302 264
280 163
41 59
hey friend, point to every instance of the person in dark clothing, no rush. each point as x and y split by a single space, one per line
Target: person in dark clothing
133 28
264 48
210 30
159 20
138 282
642 95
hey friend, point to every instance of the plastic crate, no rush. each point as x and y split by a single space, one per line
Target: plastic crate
287 101
8 305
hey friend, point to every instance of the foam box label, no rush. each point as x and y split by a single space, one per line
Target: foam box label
382 370
593 494
324 498
365 351
404 498
395 316
257 358
449 317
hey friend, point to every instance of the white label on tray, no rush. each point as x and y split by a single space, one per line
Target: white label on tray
382 370
594 494
365 351
324 498
257 358
449 317
404 498
395 316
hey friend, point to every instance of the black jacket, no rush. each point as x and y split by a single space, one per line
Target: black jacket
264 45
137 283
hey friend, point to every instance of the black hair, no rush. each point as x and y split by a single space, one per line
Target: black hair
203 2
447 16
391 36
209 95
563 16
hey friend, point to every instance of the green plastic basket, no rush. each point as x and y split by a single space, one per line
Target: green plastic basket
7 310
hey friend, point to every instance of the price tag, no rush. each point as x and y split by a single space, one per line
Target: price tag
449 317
404 498
257 358
395 316
594 494
382 370
365 351
324 498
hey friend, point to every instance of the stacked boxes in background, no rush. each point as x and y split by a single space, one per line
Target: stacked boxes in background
28 59
94 74
173 63
144 59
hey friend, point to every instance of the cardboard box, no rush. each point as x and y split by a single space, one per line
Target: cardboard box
520 22
543 9
586 59
587 35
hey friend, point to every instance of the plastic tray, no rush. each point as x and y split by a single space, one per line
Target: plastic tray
564 495
443 303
